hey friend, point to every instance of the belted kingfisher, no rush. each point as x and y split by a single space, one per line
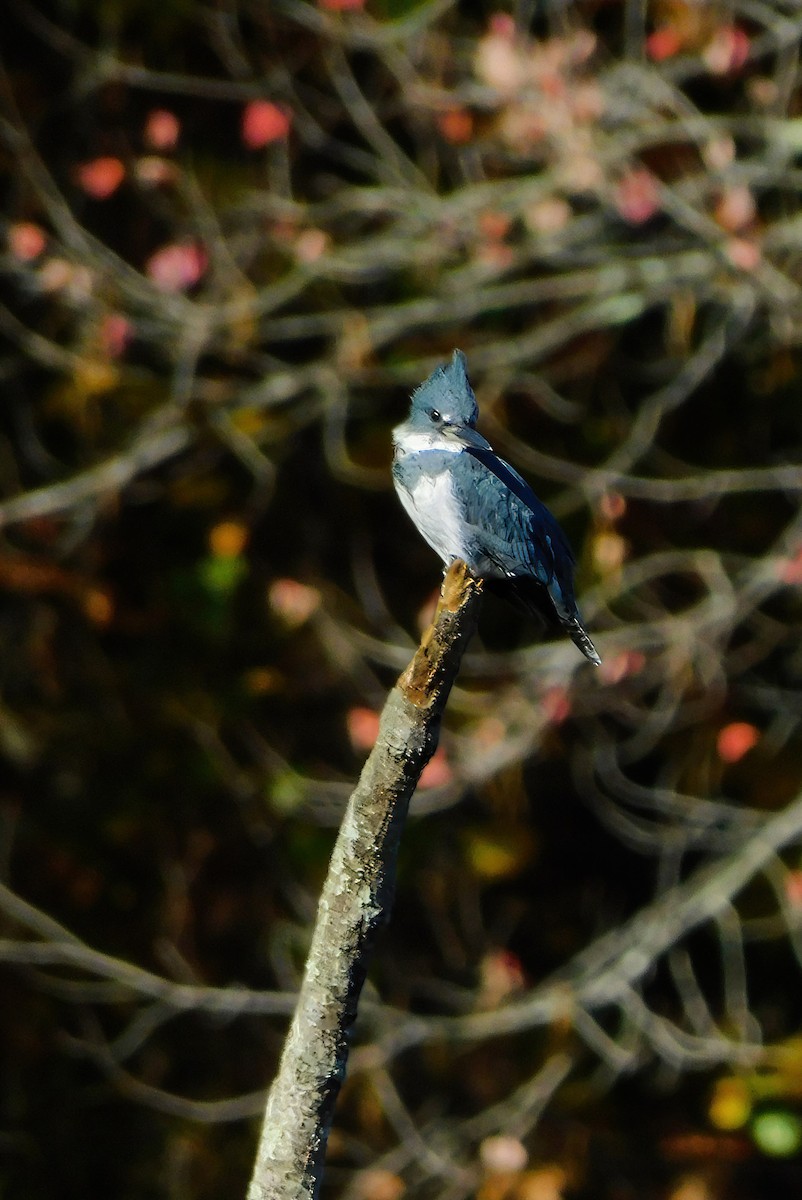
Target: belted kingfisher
468 503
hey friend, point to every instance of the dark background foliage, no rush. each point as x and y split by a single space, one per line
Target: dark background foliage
235 236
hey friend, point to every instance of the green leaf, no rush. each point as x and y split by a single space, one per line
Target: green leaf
220 576
777 1132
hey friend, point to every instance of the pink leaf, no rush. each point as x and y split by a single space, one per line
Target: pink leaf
363 728
619 666
162 130
793 888
790 569
503 1155
116 332
293 601
498 61
501 976
743 253
728 51
311 245
549 215
177 266
153 171
502 25
612 507
556 705
637 196
735 208
437 772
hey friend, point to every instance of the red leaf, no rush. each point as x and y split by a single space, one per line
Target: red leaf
662 44
263 122
556 705
341 5
101 177
736 740
456 126
26 241
637 196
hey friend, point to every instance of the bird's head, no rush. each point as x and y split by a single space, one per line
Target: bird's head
443 411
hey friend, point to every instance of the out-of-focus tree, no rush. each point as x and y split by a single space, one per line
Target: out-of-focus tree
234 237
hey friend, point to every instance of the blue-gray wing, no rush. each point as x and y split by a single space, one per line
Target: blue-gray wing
517 531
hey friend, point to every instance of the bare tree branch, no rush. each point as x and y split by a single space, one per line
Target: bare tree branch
355 901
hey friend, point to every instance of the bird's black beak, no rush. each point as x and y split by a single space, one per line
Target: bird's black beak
467 436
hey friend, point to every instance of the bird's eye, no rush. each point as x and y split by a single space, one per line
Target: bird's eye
434 414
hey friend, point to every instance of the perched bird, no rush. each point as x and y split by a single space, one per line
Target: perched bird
468 503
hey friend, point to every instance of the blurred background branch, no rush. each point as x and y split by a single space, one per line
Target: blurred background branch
233 237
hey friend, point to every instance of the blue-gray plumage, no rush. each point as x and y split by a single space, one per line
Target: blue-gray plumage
468 503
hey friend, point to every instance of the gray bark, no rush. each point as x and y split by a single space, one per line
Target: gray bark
355 901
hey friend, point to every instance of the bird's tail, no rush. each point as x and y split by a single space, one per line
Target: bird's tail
533 598
579 636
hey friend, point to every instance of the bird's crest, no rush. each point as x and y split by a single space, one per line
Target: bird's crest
448 391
